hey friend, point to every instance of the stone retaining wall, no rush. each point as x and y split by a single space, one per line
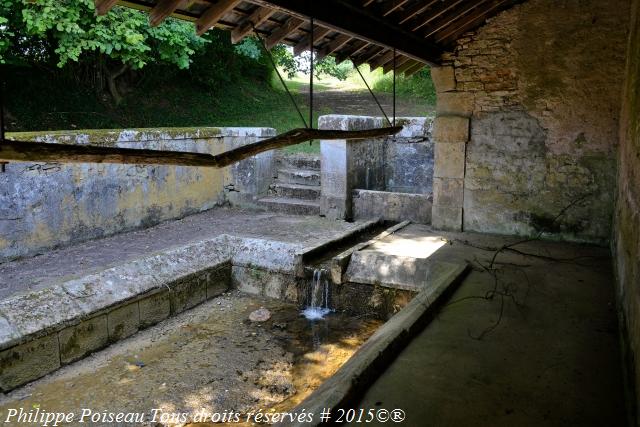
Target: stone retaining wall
527 121
46 205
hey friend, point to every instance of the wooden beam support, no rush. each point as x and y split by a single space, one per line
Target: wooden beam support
318 34
411 71
258 17
380 61
460 27
449 19
415 10
282 32
162 10
395 5
336 44
407 65
353 19
435 14
399 61
357 47
211 16
104 6
21 151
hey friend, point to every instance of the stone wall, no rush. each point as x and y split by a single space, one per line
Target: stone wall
626 237
46 205
402 163
527 124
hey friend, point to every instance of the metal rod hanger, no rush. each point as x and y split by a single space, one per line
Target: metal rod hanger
394 86
311 73
375 98
275 67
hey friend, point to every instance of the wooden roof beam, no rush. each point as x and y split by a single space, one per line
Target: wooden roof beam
104 6
449 19
380 61
462 26
415 10
280 33
357 47
162 10
258 17
352 19
399 62
436 14
318 34
407 65
336 44
211 16
411 71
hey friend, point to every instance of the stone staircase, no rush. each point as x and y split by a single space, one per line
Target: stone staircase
297 188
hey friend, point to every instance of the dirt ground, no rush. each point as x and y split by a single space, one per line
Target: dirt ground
211 359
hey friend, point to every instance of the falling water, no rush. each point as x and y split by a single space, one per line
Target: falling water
317 296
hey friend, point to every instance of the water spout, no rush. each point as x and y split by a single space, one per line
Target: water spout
317 296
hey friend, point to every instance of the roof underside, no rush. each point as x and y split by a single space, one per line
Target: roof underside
364 31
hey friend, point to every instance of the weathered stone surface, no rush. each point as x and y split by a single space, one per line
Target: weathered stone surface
219 281
448 129
123 321
257 281
188 292
443 78
79 340
29 361
409 166
389 206
454 104
154 308
448 192
446 218
52 204
450 160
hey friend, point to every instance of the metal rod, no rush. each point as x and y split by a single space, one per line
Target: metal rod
372 94
2 124
275 67
394 86
311 74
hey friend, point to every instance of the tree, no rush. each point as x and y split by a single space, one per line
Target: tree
69 31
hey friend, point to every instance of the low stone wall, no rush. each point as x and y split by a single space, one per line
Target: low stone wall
393 168
46 205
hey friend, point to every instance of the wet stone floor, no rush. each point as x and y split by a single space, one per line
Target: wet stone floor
209 360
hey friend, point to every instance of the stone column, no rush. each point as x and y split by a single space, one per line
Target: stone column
348 164
450 136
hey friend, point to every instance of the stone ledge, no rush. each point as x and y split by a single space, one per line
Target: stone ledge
392 206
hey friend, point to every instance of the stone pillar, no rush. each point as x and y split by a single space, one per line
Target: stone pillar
450 136
347 165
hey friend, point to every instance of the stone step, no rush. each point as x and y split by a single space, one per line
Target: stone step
298 161
290 206
297 191
299 176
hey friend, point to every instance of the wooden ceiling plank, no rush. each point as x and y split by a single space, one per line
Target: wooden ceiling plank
258 17
104 6
380 61
280 33
318 34
449 19
395 5
460 27
336 44
411 71
354 20
416 9
407 65
211 16
162 10
357 47
436 14
389 65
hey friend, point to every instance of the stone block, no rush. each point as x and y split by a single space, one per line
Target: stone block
444 78
450 129
446 218
218 281
29 361
155 308
390 206
123 321
248 280
188 292
448 192
454 103
449 160
79 340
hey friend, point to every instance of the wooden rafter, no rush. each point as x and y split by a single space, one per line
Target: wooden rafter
445 21
258 17
435 14
407 65
104 6
211 16
318 34
395 5
20 151
411 71
291 25
416 9
461 26
350 19
368 56
399 61
336 44
162 10
381 60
